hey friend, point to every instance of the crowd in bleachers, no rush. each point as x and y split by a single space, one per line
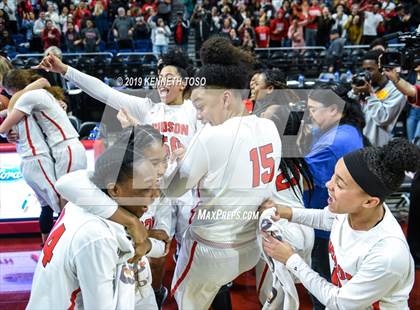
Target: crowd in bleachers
34 25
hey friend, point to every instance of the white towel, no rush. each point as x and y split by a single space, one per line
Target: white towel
283 293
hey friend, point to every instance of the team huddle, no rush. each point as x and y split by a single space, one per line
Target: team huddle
198 151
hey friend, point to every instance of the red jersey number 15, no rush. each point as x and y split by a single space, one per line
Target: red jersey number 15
262 165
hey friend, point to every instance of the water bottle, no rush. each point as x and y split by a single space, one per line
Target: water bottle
301 80
94 133
349 76
337 77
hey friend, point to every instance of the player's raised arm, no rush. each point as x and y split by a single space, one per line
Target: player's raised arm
96 88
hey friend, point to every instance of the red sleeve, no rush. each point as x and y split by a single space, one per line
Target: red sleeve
415 100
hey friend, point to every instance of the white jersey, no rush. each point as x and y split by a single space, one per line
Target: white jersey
287 193
234 165
370 269
77 188
79 262
49 115
177 123
31 141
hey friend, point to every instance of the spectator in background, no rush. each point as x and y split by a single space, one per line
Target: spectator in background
104 3
325 24
160 37
340 19
63 17
381 101
371 22
24 6
311 28
233 36
82 13
7 44
145 9
141 29
39 25
70 20
354 29
90 37
28 23
246 26
181 29
9 7
227 26
248 42
215 20
279 27
42 5
51 35
123 29
241 15
53 16
295 32
3 17
262 33
335 50
100 18
400 22
164 10
201 20
72 38
388 6
415 15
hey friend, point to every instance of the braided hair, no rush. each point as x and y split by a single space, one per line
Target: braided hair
292 167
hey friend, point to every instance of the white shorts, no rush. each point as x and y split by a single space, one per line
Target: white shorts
39 173
69 155
201 270
182 214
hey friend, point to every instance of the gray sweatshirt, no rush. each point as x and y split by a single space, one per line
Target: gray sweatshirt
381 113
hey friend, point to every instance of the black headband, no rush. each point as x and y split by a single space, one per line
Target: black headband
361 174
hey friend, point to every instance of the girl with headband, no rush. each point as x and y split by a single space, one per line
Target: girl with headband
370 260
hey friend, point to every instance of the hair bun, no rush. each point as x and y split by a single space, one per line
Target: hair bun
219 51
399 156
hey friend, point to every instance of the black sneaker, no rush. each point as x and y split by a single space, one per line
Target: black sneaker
161 295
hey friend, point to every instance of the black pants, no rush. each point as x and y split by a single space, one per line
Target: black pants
413 230
321 264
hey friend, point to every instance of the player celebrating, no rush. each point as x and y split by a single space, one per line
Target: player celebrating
233 161
370 260
67 151
88 252
174 117
37 165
